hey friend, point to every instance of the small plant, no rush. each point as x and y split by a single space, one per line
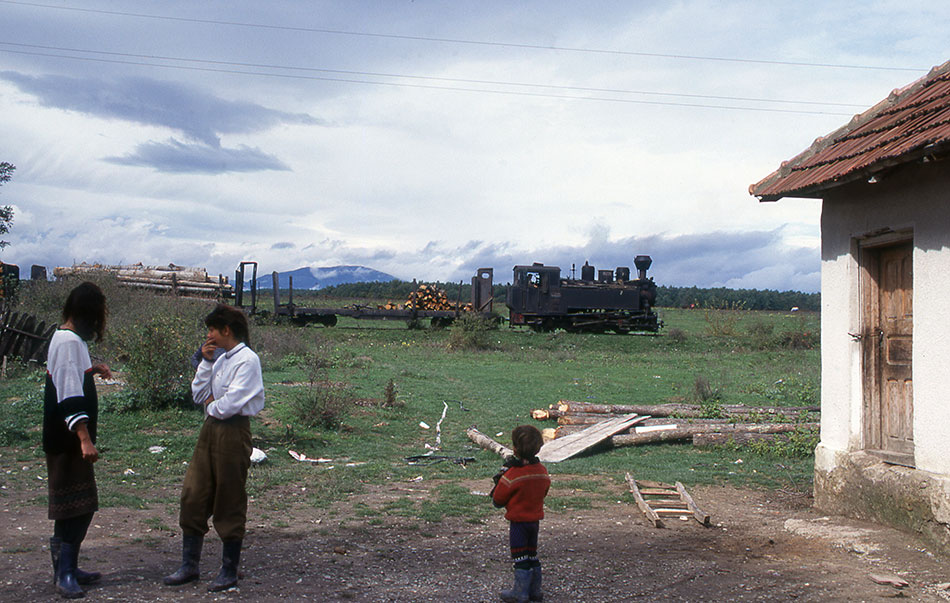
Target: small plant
800 443
281 347
472 332
677 336
722 318
797 340
761 330
709 399
390 398
322 403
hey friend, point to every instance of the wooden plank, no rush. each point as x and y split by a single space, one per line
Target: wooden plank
6 342
665 512
25 326
668 503
40 354
34 342
698 513
653 517
660 491
564 448
646 483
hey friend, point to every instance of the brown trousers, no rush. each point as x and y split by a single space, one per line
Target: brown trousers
215 480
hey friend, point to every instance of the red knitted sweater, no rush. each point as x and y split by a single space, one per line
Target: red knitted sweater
521 490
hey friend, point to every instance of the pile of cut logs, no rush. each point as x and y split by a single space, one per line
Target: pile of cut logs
188 282
427 297
682 422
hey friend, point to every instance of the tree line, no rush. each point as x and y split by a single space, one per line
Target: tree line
666 296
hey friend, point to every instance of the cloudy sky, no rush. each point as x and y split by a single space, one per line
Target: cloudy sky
430 138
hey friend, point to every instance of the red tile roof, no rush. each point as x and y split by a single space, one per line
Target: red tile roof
911 124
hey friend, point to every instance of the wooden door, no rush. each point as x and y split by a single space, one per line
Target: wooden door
888 352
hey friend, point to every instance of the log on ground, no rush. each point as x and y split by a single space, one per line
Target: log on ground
686 433
723 439
483 441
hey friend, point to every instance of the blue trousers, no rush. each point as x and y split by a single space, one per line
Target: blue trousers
523 539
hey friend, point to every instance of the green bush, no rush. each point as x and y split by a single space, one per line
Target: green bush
798 340
158 361
472 332
281 347
677 335
722 318
709 398
322 403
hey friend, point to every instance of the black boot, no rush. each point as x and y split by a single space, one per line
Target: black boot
66 584
82 577
190 556
55 544
518 593
230 557
534 591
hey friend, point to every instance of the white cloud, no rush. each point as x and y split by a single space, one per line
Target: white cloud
124 162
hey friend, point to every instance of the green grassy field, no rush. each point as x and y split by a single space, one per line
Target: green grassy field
754 358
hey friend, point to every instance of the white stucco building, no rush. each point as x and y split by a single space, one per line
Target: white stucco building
884 181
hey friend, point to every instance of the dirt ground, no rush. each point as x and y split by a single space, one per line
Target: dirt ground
763 546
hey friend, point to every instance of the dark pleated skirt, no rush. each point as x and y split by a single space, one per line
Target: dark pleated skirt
72 486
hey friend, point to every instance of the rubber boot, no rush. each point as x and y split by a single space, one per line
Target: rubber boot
55 544
518 593
230 558
190 556
82 577
534 591
66 584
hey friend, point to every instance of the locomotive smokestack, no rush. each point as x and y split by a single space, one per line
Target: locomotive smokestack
643 263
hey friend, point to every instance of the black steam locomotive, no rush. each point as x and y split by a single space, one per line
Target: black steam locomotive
539 298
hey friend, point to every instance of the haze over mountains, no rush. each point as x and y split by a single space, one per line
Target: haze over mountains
318 278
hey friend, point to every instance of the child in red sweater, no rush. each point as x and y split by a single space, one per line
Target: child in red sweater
521 487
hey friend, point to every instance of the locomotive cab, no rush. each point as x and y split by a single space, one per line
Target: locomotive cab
535 290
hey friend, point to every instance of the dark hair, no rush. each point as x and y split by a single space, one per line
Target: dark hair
227 316
527 441
86 308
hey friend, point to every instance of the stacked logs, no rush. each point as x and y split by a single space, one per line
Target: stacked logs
429 297
180 280
683 422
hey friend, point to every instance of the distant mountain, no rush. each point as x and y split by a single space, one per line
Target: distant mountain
318 278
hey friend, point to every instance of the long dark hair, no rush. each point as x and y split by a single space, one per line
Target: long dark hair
227 316
86 307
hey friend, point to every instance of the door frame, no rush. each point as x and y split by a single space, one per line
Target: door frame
869 254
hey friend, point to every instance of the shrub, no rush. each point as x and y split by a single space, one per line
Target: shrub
722 318
798 340
472 332
677 335
158 361
709 398
281 347
322 403
759 329
800 443
390 396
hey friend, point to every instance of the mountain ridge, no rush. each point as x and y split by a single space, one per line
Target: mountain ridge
324 276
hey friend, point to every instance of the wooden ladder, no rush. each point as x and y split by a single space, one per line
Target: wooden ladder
657 500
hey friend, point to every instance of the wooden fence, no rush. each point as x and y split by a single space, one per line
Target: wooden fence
22 336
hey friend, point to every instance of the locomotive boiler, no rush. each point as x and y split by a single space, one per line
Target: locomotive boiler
606 301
